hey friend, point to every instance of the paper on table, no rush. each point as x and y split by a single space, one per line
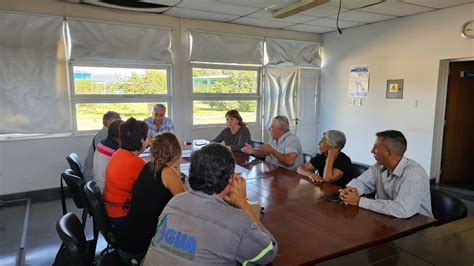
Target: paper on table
186 153
185 169
240 170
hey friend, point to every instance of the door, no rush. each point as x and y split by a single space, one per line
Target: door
308 116
458 142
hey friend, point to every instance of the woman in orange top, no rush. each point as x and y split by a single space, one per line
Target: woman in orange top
123 170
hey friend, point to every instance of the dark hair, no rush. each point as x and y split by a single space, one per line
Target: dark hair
394 141
132 132
113 130
235 114
211 168
164 149
110 115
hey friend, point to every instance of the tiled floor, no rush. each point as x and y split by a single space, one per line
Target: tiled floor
42 241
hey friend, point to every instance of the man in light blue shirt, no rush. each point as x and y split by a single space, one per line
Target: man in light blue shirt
157 122
284 149
401 185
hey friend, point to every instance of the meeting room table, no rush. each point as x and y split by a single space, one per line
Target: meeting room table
309 228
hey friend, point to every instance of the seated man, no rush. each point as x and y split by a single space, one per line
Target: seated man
213 223
107 119
332 164
284 148
157 122
401 185
104 151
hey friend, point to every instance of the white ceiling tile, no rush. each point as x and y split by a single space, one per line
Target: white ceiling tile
438 3
262 22
213 6
353 4
163 2
291 19
359 16
197 14
394 8
322 10
310 28
259 3
327 22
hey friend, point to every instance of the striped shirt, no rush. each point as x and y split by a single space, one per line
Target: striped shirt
102 157
402 194
166 126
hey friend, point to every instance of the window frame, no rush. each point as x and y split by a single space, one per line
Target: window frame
227 96
116 98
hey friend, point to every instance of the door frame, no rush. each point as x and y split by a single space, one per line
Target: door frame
440 114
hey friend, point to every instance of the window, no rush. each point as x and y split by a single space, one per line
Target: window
131 91
219 88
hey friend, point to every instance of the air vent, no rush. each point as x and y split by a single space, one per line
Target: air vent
142 6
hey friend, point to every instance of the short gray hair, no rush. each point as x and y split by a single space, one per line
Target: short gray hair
335 138
159 106
283 122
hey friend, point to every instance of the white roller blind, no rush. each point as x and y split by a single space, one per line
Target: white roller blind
95 41
221 48
280 93
293 53
33 90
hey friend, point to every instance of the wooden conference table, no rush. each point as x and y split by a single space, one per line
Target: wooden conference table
310 229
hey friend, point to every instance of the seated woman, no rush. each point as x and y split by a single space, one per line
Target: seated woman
333 165
236 134
123 170
157 183
104 151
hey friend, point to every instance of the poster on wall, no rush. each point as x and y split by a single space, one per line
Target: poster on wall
359 81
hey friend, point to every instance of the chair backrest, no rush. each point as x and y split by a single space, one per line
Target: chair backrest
75 164
255 143
96 207
358 168
446 207
307 157
75 185
70 231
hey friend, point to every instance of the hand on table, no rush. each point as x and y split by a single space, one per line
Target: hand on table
349 196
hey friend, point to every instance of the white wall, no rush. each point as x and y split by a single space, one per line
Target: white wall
35 164
408 48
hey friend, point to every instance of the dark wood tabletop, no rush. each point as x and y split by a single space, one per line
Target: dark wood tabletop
309 228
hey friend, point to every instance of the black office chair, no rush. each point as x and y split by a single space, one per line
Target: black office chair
75 164
358 168
446 207
80 251
75 185
307 157
255 143
96 207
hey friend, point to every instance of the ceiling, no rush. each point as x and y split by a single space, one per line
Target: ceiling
320 19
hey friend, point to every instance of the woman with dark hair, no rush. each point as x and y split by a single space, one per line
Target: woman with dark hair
123 170
104 151
157 183
236 133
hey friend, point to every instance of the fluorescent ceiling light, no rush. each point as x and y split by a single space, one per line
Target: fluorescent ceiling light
297 7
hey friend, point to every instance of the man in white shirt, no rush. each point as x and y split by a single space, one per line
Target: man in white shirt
401 185
107 119
284 149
